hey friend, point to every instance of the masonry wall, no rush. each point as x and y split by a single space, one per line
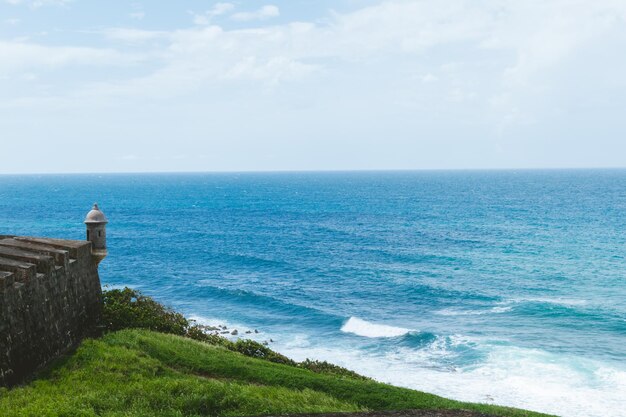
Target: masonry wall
50 298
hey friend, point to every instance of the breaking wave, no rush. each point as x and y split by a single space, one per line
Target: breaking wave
364 328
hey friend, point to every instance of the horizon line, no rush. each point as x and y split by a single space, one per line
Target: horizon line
312 171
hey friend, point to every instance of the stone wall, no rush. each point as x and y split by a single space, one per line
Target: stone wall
50 298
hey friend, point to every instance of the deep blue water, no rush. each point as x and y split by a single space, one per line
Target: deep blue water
494 286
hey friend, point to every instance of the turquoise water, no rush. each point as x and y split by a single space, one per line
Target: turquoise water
505 287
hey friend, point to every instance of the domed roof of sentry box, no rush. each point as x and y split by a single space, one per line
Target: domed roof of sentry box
96 216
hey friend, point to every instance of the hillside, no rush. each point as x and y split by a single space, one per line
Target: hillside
145 373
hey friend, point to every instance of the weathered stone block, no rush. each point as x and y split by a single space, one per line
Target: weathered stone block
50 298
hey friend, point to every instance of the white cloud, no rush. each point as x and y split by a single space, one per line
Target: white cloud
265 12
22 56
35 4
489 53
429 78
403 83
131 35
498 32
221 8
217 10
129 157
467 34
137 15
13 21
274 70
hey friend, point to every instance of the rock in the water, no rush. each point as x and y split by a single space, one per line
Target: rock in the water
234 332
256 331
248 331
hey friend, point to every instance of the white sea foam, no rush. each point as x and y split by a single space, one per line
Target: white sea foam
500 309
120 286
364 328
566 302
455 312
212 321
533 379
242 330
526 378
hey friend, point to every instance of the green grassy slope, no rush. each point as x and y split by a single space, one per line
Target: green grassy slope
143 373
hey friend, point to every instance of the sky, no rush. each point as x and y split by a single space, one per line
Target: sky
145 86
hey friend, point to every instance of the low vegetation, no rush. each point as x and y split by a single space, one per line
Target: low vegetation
141 372
129 309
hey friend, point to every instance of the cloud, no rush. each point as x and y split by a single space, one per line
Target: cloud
275 69
129 157
217 10
465 34
137 15
130 35
265 12
36 4
403 83
22 56
429 78
485 52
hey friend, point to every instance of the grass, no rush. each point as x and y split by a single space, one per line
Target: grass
145 373
130 309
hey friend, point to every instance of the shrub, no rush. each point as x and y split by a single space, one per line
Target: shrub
257 350
323 367
130 309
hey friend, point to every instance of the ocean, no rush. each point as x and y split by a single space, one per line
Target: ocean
504 287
